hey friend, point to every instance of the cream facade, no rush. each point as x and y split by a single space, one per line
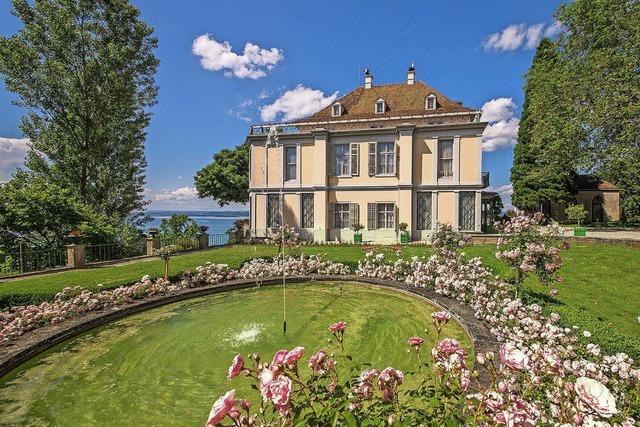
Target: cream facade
327 174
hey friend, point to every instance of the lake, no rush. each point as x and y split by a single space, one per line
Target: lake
217 221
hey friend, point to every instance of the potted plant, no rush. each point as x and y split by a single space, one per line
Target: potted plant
404 234
576 213
357 233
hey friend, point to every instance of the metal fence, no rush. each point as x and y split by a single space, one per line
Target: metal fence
183 243
29 260
112 251
220 239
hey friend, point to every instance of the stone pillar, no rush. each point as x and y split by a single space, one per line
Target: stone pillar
203 240
75 255
320 182
478 212
153 243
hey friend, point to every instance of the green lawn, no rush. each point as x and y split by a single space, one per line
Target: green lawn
600 292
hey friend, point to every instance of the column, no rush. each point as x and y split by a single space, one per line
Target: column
320 182
478 211
456 160
434 210
75 255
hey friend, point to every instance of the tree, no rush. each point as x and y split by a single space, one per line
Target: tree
84 70
544 157
226 179
178 225
601 48
575 213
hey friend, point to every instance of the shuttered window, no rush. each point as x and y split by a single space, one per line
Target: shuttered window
355 159
372 220
354 214
373 155
341 215
386 215
342 160
386 158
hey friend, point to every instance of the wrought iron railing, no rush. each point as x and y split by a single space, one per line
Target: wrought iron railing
112 251
219 239
283 129
185 243
30 260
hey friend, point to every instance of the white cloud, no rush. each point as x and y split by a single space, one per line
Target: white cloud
505 191
296 103
517 36
253 63
182 193
242 111
12 154
502 131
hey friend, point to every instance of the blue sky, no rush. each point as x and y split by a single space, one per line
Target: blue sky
299 56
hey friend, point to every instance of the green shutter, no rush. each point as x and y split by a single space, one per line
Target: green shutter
373 154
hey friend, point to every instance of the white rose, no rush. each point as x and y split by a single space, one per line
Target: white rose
596 396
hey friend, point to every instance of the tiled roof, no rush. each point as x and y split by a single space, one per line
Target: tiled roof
401 100
590 182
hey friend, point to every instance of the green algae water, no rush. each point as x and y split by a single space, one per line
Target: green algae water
167 365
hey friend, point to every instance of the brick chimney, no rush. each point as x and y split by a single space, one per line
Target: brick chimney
368 79
411 75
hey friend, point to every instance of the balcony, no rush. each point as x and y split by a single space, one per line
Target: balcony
485 179
283 129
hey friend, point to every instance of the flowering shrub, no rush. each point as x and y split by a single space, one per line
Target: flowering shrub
527 249
444 240
291 236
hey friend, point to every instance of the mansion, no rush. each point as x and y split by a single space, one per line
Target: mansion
380 156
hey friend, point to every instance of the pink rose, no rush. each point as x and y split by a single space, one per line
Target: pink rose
276 389
552 359
441 316
236 366
416 341
221 408
338 327
293 355
278 358
595 396
513 357
448 346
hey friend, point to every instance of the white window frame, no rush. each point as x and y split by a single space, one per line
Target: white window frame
343 219
333 109
380 101
391 167
288 178
389 220
452 159
429 98
347 154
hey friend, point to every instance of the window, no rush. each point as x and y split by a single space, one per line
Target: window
380 106
341 215
445 158
336 110
307 210
291 160
431 102
467 210
273 210
424 211
386 158
386 215
342 160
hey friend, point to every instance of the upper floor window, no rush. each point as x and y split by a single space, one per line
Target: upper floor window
342 160
386 158
291 163
336 110
431 102
380 106
445 158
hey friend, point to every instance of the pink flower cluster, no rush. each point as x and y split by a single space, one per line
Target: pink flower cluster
386 381
449 362
291 266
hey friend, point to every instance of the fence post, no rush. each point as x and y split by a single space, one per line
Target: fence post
153 243
75 255
203 240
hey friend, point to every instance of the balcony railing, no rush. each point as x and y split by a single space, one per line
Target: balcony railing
282 129
485 179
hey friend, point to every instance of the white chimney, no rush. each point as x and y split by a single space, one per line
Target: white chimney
368 79
411 75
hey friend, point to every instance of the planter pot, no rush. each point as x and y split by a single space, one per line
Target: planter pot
579 231
404 237
357 238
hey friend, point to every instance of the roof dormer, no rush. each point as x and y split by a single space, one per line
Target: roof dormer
336 109
380 106
431 102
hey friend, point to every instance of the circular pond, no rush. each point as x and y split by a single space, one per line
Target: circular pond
165 366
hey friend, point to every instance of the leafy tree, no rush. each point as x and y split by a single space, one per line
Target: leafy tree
178 225
601 53
226 179
544 158
84 70
575 213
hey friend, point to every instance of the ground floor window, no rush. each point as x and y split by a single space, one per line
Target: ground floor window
386 215
306 201
341 217
467 210
273 211
424 206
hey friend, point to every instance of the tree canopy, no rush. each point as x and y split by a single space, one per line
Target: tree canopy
84 70
226 179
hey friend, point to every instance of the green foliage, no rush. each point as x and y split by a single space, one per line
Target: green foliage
226 179
178 225
357 227
84 71
575 213
239 226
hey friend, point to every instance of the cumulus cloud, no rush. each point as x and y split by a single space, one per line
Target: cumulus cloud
182 193
296 103
505 191
12 154
517 36
502 131
253 63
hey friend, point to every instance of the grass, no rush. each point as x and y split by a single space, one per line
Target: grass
600 292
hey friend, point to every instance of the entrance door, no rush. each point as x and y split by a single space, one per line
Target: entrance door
597 209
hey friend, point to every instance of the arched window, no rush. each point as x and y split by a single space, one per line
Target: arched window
597 209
